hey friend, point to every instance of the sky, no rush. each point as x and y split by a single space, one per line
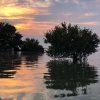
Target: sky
33 18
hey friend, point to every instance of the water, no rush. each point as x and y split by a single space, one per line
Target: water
28 76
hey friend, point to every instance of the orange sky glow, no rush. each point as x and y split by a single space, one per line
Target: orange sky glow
38 16
14 13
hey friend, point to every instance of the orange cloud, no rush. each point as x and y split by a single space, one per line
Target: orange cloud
29 24
16 13
15 17
29 27
32 3
10 11
23 26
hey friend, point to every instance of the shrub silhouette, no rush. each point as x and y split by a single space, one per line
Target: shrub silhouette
71 41
9 37
32 45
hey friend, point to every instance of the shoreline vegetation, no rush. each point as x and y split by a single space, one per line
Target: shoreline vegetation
11 40
69 41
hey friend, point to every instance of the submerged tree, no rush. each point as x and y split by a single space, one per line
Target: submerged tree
9 38
71 41
32 45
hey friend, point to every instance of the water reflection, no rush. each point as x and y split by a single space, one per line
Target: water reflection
22 77
7 68
30 59
74 78
10 62
19 75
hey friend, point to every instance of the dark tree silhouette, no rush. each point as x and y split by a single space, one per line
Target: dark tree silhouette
71 41
32 45
9 38
65 75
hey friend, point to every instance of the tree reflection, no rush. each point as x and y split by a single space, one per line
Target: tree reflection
7 64
74 78
30 59
11 62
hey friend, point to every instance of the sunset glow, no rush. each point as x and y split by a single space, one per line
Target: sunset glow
11 11
38 16
49 49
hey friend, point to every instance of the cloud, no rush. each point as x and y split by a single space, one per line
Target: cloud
34 25
11 12
31 28
23 17
14 10
37 16
89 14
15 18
32 3
93 23
66 14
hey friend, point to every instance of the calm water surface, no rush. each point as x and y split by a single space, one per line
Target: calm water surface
27 76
